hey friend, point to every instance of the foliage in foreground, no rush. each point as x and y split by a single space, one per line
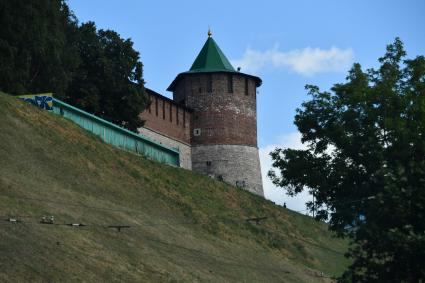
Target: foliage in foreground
37 53
108 82
365 164
43 49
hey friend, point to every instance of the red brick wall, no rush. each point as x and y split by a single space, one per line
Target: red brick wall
168 118
222 117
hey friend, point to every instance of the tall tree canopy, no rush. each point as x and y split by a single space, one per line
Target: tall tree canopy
37 53
109 81
365 165
43 49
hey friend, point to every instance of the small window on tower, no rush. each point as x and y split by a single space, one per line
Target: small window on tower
208 163
171 112
209 83
197 132
230 83
163 109
246 86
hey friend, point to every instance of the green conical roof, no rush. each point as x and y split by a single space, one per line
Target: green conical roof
211 59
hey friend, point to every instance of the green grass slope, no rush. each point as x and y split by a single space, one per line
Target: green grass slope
184 226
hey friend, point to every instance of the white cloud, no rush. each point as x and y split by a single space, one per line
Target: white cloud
273 193
307 61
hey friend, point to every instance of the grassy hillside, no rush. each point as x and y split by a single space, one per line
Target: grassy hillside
184 226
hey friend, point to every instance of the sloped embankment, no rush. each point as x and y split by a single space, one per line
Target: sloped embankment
184 226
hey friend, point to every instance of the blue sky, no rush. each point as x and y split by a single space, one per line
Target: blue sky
287 43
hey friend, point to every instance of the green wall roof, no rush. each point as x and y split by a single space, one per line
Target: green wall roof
211 58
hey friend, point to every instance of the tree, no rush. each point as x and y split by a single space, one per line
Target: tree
365 164
43 49
36 50
109 81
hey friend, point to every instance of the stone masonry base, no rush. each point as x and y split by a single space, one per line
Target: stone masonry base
237 165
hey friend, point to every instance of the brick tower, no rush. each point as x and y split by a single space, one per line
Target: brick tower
224 119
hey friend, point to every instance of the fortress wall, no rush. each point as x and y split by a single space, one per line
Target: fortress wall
184 148
167 117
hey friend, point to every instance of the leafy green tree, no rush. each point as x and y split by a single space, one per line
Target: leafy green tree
36 49
108 81
42 49
365 164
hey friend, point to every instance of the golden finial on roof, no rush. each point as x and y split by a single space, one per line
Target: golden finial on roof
209 32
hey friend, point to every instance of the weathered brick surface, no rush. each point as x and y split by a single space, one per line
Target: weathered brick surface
222 117
236 164
174 122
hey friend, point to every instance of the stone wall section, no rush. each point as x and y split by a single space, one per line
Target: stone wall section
184 148
235 164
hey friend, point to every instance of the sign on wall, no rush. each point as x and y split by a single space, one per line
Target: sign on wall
42 100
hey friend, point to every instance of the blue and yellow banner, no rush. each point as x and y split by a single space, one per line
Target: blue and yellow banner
42 100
